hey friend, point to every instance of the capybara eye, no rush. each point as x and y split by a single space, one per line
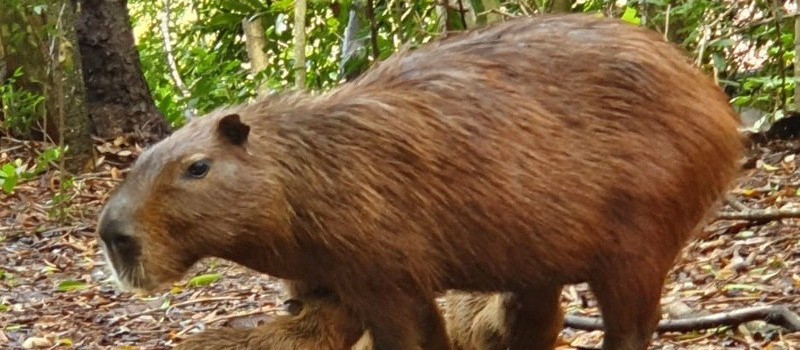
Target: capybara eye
293 306
198 169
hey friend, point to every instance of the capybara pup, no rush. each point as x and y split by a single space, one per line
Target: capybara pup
319 323
515 158
474 321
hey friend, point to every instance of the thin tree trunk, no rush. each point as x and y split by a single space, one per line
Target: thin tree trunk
797 56
118 98
300 44
173 66
256 52
27 52
71 95
52 69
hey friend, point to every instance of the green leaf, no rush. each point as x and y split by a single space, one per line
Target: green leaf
224 20
237 6
71 286
203 280
39 9
8 170
631 16
9 183
13 327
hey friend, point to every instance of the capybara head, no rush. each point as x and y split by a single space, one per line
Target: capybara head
175 204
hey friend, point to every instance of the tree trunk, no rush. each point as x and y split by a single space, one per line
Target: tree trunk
256 52
27 52
797 57
300 44
117 95
73 118
52 69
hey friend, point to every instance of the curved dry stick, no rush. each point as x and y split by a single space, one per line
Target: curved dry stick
778 315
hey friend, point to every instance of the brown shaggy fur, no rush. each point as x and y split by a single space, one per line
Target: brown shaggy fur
474 322
322 324
516 158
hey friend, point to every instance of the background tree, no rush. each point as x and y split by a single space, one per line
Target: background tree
43 94
118 97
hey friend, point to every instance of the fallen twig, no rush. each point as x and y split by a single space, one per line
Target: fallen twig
778 315
759 214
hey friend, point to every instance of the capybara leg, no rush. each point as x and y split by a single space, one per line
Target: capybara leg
629 303
434 329
535 318
399 322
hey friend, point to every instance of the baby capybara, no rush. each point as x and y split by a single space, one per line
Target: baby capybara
319 324
474 321
515 158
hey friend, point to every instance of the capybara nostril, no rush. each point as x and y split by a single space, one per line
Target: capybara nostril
117 241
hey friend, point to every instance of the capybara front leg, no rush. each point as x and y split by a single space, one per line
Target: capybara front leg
535 318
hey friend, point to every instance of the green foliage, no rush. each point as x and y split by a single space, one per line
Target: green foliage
71 286
21 108
209 46
17 171
631 15
203 280
58 208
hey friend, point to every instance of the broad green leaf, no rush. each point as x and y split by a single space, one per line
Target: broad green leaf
71 286
203 280
9 183
631 16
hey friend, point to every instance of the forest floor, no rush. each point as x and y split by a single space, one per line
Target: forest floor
55 290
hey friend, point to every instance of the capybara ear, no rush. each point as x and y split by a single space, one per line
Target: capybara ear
233 130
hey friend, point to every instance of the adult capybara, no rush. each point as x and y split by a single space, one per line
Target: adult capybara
515 158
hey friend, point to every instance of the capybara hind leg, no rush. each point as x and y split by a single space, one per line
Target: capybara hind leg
535 319
630 306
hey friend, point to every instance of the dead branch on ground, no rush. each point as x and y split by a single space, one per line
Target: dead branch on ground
776 314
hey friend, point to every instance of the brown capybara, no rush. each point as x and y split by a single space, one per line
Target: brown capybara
479 321
319 323
474 321
515 158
